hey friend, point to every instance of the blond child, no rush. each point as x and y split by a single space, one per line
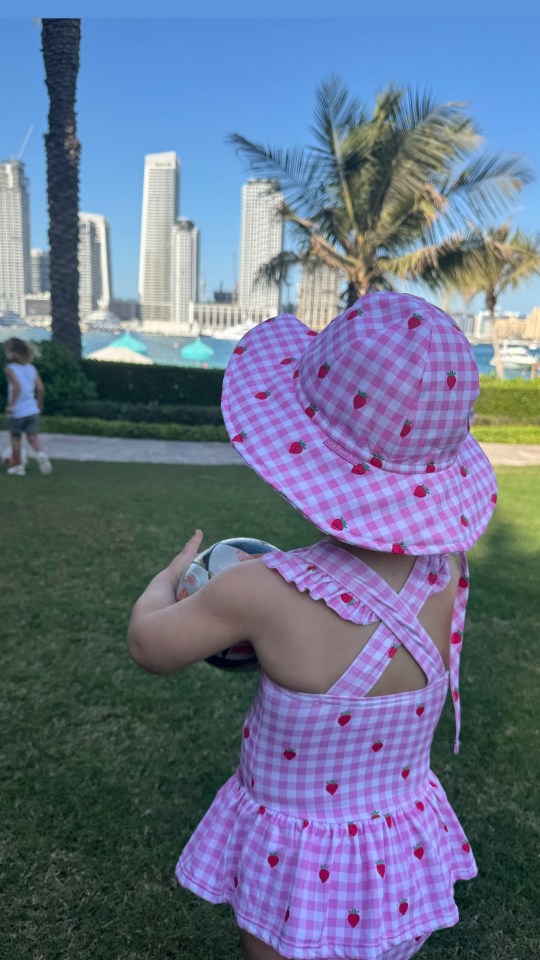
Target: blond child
25 401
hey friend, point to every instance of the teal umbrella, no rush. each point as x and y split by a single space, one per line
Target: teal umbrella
196 350
130 342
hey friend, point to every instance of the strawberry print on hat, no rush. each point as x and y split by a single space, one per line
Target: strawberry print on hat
297 446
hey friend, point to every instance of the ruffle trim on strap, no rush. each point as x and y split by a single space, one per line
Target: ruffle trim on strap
307 576
307 573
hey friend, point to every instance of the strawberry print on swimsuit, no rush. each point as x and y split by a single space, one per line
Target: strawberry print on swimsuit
334 838
347 424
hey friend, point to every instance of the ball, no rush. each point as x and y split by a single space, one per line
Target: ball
220 555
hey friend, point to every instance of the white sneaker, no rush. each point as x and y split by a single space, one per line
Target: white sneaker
43 462
18 471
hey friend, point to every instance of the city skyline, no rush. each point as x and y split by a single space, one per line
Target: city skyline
125 113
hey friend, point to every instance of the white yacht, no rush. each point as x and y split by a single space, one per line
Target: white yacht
515 354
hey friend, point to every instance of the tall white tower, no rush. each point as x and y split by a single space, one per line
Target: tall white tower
95 285
15 270
184 269
161 191
261 239
318 295
39 261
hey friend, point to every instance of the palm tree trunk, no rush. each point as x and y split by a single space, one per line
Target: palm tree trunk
60 45
491 302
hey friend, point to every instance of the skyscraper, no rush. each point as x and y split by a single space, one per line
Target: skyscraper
94 263
15 271
318 295
159 213
184 269
261 239
39 262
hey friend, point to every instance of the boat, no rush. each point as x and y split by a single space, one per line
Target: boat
515 355
228 333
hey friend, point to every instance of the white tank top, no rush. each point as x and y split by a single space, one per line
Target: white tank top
26 404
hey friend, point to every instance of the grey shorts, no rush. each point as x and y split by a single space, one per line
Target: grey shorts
20 425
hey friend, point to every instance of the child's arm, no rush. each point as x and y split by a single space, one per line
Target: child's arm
40 391
15 389
165 636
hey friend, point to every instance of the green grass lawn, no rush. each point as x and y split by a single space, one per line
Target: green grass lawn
107 770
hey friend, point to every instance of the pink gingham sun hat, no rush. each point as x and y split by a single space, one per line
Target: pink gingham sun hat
364 427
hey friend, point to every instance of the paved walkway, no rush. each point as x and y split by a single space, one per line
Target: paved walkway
62 446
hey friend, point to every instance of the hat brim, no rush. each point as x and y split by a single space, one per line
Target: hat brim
379 509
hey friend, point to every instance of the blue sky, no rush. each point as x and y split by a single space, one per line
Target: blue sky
183 84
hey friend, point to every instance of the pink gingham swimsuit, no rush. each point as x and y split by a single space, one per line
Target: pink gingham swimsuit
334 839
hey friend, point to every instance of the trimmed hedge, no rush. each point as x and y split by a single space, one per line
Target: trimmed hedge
512 433
89 426
143 412
134 383
517 401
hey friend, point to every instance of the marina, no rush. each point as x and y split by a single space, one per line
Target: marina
168 349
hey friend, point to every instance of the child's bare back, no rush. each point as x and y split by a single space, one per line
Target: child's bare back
305 646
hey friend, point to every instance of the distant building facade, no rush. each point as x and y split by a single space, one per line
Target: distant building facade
95 285
184 269
15 268
465 321
39 267
509 328
318 295
532 325
222 316
125 309
224 296
37 306
160 205
261 239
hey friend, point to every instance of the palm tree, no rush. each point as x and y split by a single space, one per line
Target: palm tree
60 46
377 185
476 262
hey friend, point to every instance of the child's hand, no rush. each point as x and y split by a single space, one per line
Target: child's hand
181 562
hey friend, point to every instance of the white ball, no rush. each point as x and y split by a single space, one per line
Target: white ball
220 555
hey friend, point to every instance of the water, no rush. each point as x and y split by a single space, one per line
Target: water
166 350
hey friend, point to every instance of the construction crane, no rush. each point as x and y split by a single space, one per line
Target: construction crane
25 142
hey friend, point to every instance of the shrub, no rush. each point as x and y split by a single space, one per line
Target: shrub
509 433
143 412
89 426
133 383
517 401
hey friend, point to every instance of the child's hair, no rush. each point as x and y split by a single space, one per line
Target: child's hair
19 351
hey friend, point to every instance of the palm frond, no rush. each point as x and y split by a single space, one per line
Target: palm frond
277 269
335 110
484 185
297 171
